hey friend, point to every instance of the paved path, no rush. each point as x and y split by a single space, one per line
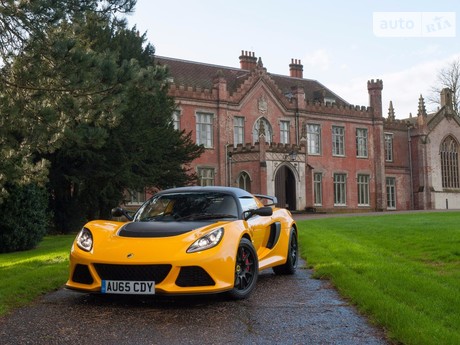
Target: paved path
282 310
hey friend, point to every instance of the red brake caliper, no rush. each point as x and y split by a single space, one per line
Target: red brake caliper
246 260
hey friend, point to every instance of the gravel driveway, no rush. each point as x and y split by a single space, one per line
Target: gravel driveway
282 310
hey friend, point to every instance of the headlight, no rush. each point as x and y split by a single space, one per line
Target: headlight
85 240
209 240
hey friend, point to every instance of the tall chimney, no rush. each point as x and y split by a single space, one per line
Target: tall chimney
296 69
446 97
248 61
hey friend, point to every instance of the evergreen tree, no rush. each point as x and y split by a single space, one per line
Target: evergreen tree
83 103
34 98
21 19
38 99
99 160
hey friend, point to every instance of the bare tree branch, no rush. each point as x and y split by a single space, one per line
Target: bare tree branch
448 77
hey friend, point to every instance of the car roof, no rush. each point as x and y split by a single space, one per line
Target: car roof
237 192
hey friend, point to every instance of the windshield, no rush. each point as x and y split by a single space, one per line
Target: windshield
188 206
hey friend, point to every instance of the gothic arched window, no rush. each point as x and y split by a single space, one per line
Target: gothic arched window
244 181
262 127
449 163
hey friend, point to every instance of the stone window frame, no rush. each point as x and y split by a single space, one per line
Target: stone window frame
448 152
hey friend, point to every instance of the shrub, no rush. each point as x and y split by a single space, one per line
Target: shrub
24 218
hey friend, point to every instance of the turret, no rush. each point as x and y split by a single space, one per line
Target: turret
375 96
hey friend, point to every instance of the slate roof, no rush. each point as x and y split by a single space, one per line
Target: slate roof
197 74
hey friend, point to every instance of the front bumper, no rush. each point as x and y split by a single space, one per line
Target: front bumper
209 271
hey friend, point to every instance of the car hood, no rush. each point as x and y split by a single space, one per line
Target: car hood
160 229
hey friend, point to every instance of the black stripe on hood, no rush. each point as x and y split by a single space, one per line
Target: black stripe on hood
159 229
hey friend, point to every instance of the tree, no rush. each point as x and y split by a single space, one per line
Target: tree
21 19
83 104
34 97
98 160
448 77
24 219
36 48
50 91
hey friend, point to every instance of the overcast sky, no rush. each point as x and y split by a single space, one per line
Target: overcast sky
342 44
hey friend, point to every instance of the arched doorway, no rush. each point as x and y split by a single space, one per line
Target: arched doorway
285 187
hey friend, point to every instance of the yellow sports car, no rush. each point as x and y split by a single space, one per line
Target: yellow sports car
188 240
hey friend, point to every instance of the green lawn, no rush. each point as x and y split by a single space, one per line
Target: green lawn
26 275
401 270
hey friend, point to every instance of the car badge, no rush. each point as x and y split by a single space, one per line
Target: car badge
130 255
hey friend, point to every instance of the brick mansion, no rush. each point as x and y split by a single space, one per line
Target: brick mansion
294 138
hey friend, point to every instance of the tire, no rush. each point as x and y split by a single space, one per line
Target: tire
292 257
246 270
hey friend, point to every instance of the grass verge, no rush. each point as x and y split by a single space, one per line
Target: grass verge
28 274
401 270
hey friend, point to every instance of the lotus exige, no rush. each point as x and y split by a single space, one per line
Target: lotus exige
188 240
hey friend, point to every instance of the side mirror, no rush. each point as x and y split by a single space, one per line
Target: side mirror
265 211
120 212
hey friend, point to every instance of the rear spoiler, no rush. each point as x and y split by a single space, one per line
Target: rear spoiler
267 200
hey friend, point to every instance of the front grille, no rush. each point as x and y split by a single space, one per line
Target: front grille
81 275
133 272
194 276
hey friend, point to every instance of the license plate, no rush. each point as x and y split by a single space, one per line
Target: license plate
128 287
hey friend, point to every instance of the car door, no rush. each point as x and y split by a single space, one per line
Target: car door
258 226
